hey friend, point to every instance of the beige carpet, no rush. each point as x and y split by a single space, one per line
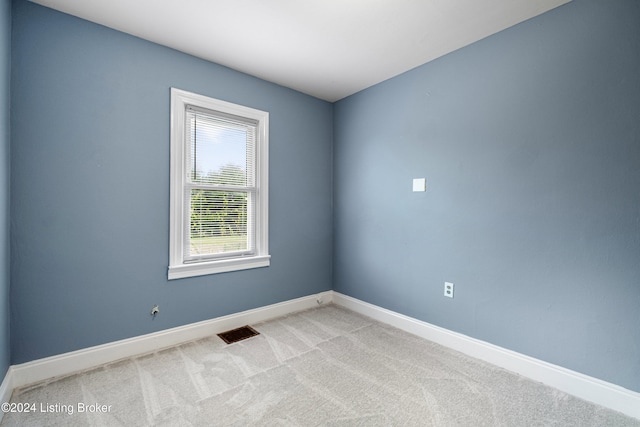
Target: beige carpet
322 367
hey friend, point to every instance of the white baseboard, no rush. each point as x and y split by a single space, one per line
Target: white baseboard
6 388
75 361
583 386
588 388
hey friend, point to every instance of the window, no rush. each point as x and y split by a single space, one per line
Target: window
219 173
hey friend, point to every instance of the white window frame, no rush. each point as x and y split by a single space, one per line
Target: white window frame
178 268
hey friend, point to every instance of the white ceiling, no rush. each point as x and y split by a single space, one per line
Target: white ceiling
326 48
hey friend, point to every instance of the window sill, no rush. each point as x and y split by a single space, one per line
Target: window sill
219 266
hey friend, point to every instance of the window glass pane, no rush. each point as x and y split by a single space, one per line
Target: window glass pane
218 223
221 150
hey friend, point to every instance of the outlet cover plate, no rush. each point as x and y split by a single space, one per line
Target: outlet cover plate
448 289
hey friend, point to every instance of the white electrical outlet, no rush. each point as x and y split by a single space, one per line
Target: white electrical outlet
448 289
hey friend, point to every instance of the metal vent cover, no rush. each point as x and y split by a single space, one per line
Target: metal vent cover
238 334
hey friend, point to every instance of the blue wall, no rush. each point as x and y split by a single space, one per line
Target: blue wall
90 188
530 143
5 81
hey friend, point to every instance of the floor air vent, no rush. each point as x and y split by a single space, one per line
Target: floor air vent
238 334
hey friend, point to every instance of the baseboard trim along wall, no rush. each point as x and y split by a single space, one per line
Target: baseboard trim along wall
574 383
583 386
6 388
80 360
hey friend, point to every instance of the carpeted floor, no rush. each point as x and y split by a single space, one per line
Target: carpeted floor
322 367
